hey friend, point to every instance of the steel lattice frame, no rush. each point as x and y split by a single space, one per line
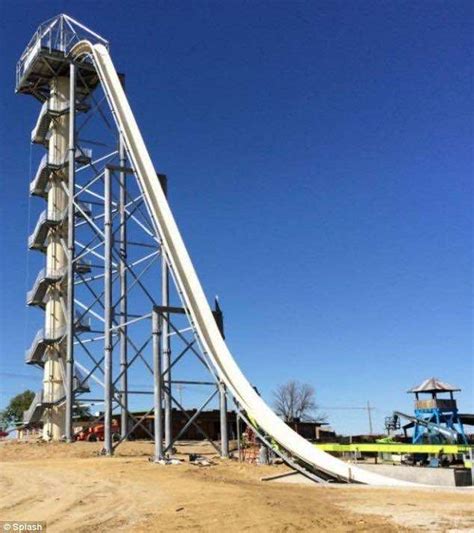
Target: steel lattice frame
117 290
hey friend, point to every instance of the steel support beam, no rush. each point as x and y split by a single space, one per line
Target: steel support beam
123 292
69 386
108 346
191 420
165 291
237 429
157 325
223 420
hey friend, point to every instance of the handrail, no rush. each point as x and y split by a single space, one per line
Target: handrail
43 275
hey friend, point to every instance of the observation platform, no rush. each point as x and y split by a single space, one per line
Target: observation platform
47 56
40 63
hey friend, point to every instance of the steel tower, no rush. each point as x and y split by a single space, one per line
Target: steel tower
111 311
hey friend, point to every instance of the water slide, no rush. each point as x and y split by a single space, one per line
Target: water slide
446 432
193 295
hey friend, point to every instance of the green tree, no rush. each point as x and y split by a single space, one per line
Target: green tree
13 412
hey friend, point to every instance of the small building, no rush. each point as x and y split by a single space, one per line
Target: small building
313 431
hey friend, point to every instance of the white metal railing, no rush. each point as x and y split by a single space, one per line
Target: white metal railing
39 223
42 165
38 338
58 34
43 275
31 293
39 172
37 400
43 115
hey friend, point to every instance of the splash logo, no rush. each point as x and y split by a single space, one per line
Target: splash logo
14 526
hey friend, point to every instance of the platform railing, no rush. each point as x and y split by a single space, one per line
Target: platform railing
58 34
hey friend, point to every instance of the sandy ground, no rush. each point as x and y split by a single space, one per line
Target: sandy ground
72 488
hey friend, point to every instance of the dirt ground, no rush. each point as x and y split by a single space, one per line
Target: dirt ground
72 488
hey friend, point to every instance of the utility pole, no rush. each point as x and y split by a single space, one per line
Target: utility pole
367 408
369 413
179 386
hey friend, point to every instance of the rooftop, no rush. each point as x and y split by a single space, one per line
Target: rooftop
434 385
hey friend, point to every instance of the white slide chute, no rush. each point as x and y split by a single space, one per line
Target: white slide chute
193 294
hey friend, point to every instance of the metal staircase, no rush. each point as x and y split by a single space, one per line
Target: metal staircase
45 278
34 413
80 382
39 134
34 354
50 219
39 184
46 221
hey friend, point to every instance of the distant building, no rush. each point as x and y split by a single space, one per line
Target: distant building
209 422
313 430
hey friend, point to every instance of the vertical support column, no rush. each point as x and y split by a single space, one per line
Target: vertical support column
471 459
157 325
165 291
237 423
55 319
108 313
123 293
223 420
70 260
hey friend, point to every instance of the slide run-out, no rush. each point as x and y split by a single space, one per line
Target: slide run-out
193 296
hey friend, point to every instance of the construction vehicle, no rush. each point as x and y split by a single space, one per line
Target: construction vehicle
95 432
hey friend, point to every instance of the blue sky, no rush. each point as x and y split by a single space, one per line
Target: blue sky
320 165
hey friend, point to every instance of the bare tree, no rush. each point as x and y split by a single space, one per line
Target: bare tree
296 401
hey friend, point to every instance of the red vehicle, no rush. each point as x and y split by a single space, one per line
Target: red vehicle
95 432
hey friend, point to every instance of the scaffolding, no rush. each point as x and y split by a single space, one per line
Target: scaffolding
116 332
